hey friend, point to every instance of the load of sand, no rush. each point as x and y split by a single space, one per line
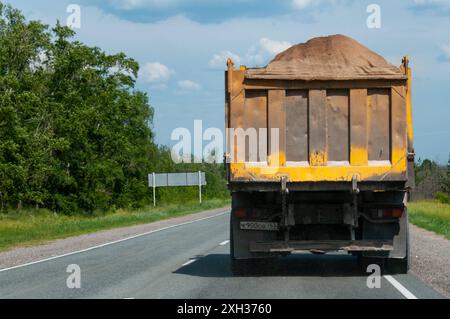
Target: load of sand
334 57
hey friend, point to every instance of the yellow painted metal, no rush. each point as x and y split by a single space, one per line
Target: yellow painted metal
358 156
318 158
409 107
244 172
311 173
317 170
399 143
276 159
407 70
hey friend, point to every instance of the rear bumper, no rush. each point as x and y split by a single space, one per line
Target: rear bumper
321 245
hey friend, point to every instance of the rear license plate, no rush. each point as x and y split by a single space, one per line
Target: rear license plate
259 226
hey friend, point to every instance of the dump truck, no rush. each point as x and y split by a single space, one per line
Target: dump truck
319 154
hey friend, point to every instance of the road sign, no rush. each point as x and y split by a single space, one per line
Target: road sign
177 179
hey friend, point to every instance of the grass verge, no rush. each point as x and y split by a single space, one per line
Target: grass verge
431 215
30 227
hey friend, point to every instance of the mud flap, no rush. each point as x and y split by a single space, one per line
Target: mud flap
398 232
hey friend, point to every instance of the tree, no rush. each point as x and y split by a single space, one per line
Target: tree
74 133
429 179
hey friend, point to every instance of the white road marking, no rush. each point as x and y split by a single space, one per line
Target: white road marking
224 243
405 292
111 243
190 261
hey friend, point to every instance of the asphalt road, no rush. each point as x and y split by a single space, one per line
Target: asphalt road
191 261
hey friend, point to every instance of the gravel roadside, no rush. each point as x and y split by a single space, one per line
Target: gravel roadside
23 255
430 258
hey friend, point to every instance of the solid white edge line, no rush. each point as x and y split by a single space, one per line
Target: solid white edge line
224 242
405 292
112 242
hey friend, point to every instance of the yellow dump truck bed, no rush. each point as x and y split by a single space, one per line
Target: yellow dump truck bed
335 110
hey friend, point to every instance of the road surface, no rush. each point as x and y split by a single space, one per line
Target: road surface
191 260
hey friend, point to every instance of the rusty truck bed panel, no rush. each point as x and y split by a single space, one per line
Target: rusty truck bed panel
328 130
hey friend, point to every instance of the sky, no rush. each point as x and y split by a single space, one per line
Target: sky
182 47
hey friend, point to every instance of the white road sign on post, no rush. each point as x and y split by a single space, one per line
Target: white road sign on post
176 179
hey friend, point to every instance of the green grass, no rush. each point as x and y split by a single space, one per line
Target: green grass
30 227
431 215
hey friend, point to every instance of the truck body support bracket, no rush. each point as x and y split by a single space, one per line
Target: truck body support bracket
285 220
355 192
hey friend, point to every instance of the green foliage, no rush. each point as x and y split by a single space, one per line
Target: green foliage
32 226
443 198
431 215
74 133
424 168
431 178
446 182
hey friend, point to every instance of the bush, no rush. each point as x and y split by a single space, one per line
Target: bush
443 198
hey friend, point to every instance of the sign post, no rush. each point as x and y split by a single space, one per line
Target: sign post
154 190
200 187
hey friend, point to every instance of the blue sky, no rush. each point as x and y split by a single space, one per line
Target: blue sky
182 46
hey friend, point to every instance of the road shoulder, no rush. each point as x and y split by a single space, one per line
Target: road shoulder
430 259
23 255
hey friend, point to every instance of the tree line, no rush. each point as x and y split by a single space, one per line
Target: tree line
75 134
432 181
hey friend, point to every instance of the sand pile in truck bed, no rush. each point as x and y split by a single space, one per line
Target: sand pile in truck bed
335 57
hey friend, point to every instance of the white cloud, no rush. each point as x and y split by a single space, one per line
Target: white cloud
138 4
265 50
219 60
256 55
274 47
156 72
301 4
188 85
305 4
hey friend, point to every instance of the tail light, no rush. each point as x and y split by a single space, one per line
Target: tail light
388 212
240 212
